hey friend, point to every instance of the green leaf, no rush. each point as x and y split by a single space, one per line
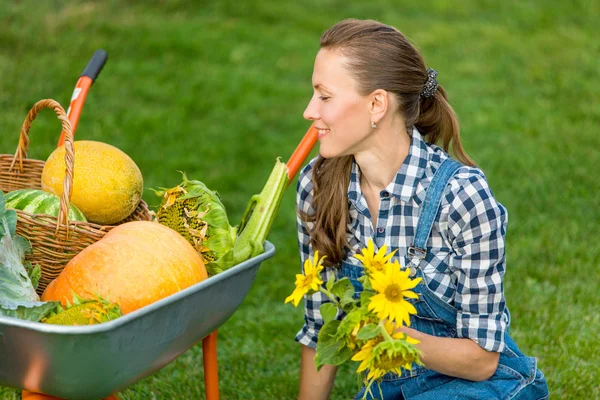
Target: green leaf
366 283
27 310
331 351
35 274
349 323
365 298
344 290
343 355
2 204
341 287
348 301
330 280
17 292
328 312
327 344
10 216
367 332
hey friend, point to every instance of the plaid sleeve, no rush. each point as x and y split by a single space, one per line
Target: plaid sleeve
477 229
312 315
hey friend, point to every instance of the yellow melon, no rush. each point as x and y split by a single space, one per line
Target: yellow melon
107 184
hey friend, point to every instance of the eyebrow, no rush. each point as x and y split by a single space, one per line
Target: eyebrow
319 86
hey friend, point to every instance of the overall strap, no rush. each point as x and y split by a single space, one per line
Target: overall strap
429 210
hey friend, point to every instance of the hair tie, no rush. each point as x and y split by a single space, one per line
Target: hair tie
431 85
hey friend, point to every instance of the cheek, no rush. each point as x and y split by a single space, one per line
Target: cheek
344 116
353 123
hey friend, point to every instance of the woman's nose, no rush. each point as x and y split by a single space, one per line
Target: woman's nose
311 113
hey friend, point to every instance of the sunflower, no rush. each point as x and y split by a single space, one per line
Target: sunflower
374 262
309 281
393 286
381 357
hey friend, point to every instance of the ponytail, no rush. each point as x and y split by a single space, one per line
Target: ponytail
438 123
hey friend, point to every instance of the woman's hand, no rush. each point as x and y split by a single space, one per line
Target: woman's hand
458 357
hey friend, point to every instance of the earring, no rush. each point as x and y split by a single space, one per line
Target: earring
373 125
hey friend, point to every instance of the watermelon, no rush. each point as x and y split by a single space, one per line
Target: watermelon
35 201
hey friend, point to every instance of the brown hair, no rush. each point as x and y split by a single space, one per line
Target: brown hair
379 57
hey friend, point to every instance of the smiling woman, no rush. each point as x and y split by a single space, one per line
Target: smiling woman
336 106
381 177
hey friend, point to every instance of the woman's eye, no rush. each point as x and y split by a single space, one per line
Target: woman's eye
323 97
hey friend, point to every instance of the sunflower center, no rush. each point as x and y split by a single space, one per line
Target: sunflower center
387 364
393 293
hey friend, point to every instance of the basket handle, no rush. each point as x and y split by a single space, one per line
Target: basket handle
21 153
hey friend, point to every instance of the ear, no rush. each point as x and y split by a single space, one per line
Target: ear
378 104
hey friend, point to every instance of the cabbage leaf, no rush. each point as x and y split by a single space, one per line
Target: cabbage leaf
18 279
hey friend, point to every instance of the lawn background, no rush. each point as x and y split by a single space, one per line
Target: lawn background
217 89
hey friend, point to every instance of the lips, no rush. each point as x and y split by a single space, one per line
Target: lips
322 132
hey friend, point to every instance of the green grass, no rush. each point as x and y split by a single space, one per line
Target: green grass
218 89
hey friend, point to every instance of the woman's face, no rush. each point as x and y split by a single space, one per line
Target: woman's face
339 112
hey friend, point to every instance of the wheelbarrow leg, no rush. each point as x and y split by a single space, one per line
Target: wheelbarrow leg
27 395
211 371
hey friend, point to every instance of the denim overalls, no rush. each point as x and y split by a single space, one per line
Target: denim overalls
516 377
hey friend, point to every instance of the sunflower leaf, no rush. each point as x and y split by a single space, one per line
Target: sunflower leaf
330 280
348 324
328 312
348 302
365 281
342 287
330 350
365 298
369 331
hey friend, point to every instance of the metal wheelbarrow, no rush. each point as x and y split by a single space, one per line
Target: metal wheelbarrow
92 362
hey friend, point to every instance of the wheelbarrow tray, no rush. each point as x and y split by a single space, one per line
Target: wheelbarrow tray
92 362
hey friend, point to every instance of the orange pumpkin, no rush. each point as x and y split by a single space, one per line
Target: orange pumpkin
135 264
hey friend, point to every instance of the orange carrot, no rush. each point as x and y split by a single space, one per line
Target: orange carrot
302 151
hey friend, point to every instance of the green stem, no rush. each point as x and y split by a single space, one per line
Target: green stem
331 296
384 332
259 215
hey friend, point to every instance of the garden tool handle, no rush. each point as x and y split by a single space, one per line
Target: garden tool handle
95 65
302 151
82 87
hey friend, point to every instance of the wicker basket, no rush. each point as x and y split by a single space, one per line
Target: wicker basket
55 240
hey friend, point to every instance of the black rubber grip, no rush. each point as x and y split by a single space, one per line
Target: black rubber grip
95 65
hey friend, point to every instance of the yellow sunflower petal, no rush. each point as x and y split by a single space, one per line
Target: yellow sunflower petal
295 297
363 365
409 294
411 283
412 340
379 281
409 307
371 246
389 256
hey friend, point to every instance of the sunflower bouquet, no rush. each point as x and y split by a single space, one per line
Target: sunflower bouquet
369 332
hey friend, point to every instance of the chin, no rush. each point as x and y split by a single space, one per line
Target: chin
326 152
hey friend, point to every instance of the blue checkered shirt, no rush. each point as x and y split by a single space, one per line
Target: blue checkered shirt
466 241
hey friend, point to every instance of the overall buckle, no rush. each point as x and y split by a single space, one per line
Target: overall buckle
416 255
